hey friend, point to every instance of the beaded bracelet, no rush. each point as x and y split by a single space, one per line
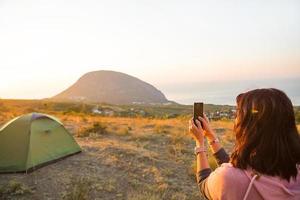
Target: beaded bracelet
198 150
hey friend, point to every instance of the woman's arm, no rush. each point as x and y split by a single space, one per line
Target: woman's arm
202 162
213 141
203 168
203 171
197 133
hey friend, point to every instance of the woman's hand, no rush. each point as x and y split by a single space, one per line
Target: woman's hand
196 132
208 131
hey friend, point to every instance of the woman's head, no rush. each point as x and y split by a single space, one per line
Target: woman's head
266 134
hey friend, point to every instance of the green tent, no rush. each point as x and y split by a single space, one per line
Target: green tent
33 140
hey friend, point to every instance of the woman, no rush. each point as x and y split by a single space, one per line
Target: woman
265 160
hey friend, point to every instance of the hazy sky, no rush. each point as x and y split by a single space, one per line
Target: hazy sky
46 45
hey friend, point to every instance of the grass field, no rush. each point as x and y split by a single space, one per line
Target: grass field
123 158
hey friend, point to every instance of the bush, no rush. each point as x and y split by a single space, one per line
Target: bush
160 129
83 133
97 128
79 189
144 195
14 188
124 131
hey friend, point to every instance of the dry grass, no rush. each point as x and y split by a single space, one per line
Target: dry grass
78 189
123 158
14 189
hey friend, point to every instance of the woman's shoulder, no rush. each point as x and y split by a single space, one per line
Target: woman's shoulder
228 176
227 169
227 180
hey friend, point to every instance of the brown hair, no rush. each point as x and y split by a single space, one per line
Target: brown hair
267 139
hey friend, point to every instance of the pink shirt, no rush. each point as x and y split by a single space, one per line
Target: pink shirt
228 182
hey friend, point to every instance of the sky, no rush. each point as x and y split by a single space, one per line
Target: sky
46 45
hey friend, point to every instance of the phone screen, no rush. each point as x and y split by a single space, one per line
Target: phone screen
198 110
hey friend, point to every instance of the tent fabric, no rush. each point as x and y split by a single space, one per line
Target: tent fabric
35 116
32 140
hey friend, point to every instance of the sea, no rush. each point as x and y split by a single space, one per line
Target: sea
225 92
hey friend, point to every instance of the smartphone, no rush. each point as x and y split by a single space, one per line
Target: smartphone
198 110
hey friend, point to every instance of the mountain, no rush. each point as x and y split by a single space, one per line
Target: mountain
112 87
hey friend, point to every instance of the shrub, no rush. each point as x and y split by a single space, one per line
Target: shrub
97 128
144 195
14 188
124 131
79 189
83 133
160 129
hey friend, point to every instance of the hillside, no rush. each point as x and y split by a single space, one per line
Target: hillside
112 87
13 108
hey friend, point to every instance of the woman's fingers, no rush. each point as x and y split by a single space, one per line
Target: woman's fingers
193 127
206 126
191 122
190 125
205 117
196 130
198 124
204 122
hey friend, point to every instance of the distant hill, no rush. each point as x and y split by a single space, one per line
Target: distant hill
112 87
